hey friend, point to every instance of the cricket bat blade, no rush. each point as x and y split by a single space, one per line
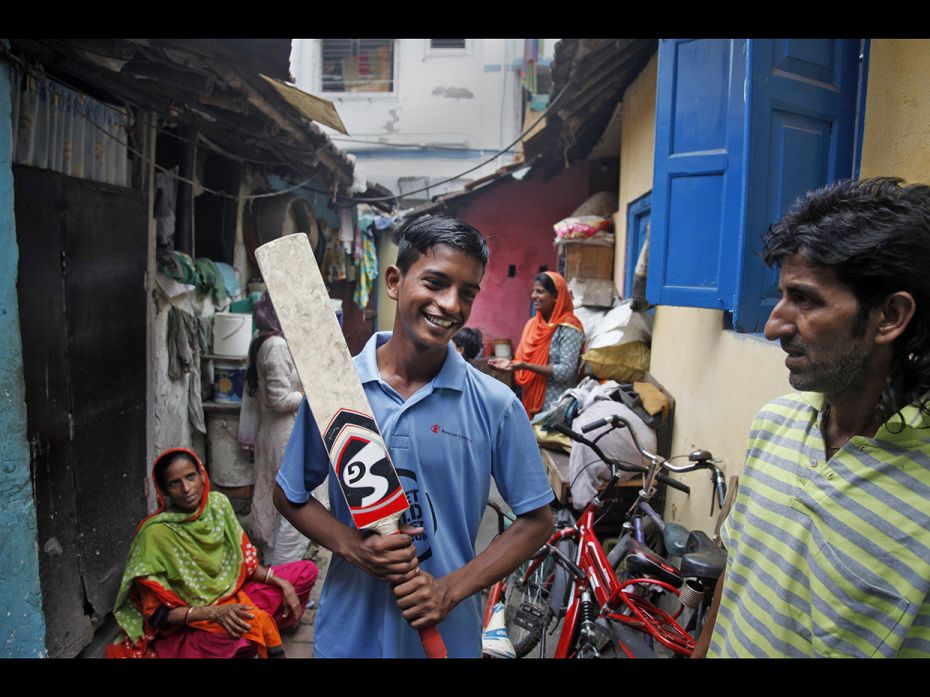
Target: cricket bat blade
360 460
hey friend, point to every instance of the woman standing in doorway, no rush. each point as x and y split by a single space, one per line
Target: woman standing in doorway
546 360
272 378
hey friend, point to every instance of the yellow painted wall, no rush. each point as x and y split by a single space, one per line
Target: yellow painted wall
896 138
637 147
387 255
720 378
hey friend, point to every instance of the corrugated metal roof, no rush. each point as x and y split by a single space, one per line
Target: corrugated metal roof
310 106
214 85
594 74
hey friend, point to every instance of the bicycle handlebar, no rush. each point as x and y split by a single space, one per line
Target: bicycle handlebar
616 464
720 486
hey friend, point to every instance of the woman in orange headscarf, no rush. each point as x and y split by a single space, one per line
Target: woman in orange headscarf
546 360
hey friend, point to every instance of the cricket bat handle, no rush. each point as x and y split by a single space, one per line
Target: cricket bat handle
432 641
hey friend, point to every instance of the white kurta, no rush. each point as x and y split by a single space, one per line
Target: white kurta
279 394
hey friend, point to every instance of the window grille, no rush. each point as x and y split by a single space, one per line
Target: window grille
447 43
358 65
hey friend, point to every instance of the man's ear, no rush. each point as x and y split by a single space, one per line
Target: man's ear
392 279
897 311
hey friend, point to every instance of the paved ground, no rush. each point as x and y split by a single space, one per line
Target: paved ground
298 643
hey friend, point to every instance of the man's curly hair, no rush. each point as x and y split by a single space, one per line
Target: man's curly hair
875 235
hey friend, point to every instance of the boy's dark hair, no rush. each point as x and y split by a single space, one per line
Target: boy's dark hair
469 340
875 235
420 234
545 280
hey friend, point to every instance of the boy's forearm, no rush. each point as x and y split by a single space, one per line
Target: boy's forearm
388 557
314 521
514 546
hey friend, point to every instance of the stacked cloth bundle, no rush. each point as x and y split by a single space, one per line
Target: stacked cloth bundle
586 404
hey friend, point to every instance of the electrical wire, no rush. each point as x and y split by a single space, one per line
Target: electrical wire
222 194
521 137
342 199
421 146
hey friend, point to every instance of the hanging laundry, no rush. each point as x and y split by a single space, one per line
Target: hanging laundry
346 229
334 258
367 265
382 222
186 345
210 279
179 266
357 248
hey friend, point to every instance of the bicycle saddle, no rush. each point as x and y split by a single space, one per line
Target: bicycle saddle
642 562
708 564
698 541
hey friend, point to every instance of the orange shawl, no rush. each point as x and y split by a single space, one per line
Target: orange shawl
535 341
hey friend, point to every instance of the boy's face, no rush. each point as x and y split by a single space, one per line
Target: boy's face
435 296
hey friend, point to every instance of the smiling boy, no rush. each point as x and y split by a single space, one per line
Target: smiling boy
449 429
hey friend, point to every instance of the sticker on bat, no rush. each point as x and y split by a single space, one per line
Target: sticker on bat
363 468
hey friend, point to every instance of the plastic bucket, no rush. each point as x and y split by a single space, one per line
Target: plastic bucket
232 333
228 379
503 348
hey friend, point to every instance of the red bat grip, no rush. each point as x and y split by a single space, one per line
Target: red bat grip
433 643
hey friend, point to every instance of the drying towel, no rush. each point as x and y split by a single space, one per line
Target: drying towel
185 347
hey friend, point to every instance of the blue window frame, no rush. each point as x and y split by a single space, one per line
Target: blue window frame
743 127
638 219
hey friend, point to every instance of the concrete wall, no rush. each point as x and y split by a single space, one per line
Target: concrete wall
896 140
637 148
721 378
468 100
22 624
517 217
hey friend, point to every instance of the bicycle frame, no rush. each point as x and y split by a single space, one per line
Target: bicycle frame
611 595
613 599
591 572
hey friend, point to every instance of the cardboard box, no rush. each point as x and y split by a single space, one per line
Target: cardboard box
588 261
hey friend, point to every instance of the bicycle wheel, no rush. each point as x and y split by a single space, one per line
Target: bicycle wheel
526 613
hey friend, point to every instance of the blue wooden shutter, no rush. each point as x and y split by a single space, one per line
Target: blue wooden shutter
803 96
697 200
638 215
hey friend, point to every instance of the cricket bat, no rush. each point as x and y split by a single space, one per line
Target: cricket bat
360 461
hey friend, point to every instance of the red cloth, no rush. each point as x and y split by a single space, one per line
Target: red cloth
197 642
534 344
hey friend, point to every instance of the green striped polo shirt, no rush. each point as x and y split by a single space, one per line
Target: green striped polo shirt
828 558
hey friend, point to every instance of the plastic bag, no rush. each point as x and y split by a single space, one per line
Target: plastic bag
581 227
626 362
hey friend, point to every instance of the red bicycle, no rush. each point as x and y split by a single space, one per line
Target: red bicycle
572 577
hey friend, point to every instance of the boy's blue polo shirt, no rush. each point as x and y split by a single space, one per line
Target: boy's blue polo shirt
447 441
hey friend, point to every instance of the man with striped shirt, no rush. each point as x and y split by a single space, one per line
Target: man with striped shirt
829 540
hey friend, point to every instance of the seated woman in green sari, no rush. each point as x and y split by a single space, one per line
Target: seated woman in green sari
193 587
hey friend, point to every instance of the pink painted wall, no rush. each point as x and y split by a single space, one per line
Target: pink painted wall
517 218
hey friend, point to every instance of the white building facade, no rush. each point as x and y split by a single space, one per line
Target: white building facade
420 111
